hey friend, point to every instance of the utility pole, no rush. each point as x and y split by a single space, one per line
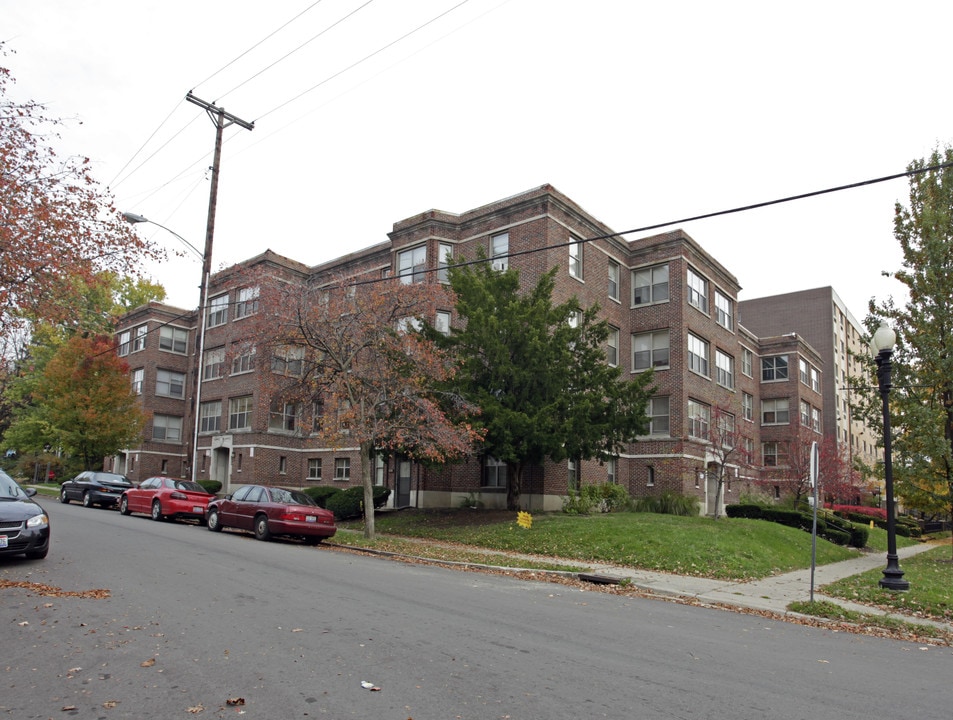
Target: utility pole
222 120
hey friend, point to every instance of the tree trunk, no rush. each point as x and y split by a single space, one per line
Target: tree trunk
514 484
368 479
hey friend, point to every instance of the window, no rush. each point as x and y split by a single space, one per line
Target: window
137 377
747 361
282 465
725 369
494 472
575 259
124 343
805 414
243 362
650 476
572 470
650 285
772 454
774 368
166 428
443 262
282 416
239 413
412 265
775 412
314 468
650 350
612 346
815 379
699 419
697 291
210 416
218 310
342 468
614 273
803 371
214 366
170 383
173 339
612 476
658 412
723 311
442 322
317 415
499 251
816 419
247 303
726 429
288 361
747 406
697 355
139 341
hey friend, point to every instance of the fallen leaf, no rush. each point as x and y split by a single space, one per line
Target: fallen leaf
148 663
235 701
110 704
68 708
196 709
23 624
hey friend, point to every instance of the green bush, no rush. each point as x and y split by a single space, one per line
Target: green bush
211 486
668 503
604 497
381 495
349 503
577 503
321 493
835 535
745 510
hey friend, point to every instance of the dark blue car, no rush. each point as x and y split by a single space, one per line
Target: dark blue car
24 525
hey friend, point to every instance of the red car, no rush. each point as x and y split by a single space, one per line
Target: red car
269 511
165 497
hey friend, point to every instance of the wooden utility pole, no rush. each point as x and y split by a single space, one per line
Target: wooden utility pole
222 120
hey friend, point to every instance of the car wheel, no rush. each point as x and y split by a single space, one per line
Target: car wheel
38 554
213 522
156 510
64 498
124 505
261 528
87 500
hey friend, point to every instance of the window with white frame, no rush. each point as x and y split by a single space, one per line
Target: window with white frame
747 406
282 416
726 429
288 361
724 310
699 419
775 411
815 379
342 469
614 273
572 470
725 369
139 339
747 446
214 365
314 468
239 413
244 360
247 302
816 419
612 346
173 339
499 251
774 367
123 348
650 285
442 322
218 310
697 291
575 259
747 362
282 465
803 373
805 414
658 410
137 375
698 354
612 476
166 428
650 350
650 476
210 416
412 265
772 454
170 383
444 254
494 472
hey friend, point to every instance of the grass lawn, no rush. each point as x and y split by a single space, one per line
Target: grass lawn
728 548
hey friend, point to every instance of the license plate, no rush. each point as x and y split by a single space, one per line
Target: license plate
198 509
310 518
3 541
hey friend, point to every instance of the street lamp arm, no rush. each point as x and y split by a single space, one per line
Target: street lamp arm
135 219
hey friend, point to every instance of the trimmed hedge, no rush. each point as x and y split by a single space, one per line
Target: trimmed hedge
832 528
349 503
321 493
211 486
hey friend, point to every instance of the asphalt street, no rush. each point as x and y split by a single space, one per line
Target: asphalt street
130 618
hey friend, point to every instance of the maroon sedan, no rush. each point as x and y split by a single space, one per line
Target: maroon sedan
165 497
269 511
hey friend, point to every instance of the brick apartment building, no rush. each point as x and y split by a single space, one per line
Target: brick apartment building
671 306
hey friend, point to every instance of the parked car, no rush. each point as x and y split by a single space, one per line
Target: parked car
269 511
165 497
91 487
24 524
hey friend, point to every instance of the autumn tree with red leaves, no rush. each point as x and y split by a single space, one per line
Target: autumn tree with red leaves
57 225
726 451
354 351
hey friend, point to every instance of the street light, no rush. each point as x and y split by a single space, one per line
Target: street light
881 346
133 219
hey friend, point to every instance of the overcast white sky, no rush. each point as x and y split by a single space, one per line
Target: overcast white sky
642 112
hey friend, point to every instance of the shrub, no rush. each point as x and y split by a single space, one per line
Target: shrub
381 495
604 497
349 503
750 511
577 503
211 486
835 535
321 493
668 503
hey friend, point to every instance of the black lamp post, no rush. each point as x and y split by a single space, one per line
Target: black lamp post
881 345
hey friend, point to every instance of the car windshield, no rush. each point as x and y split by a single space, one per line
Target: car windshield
110 478
291 497
9 490
190 486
